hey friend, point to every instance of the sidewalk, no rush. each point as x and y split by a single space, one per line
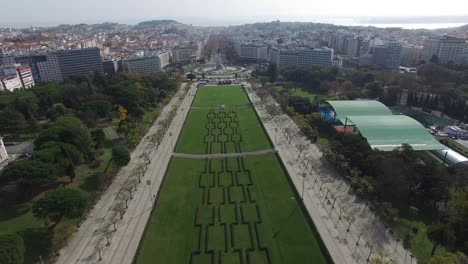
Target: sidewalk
331 204
124 242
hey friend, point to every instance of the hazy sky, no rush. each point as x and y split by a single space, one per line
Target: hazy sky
51 12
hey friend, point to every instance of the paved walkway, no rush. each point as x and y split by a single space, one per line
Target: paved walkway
221 106
224 155
110 132
124 242
330 202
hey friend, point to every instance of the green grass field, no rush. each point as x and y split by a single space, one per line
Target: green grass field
227 210
227 130
211 96
236 210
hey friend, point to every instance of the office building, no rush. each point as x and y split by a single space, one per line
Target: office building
79 62
411 55
287 58
49 70
446 48
164 58
308 57
182 54
142 65
273 56
387 56
252 51
352 46
337 42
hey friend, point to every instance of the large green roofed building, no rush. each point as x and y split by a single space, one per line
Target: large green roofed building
386 132
358 108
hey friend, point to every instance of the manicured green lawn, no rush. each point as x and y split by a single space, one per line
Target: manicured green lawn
227 206
220 95
247 133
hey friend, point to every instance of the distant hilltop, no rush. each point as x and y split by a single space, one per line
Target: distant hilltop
154 23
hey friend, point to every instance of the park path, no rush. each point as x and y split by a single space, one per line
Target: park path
125 241
221 106
224 155
330 202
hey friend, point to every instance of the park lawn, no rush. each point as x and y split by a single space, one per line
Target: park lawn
266 205
228 95
192 137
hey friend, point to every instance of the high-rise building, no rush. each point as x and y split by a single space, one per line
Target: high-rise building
352 46
446 48
182 54
32 61
337 42
164 58
252 51
79 62
287 58
308 57
49 70
273 56
411 55
387 56
142 65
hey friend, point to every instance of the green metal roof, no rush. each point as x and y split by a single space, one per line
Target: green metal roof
358 108
386 132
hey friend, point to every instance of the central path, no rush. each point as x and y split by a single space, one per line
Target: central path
224 155
124 242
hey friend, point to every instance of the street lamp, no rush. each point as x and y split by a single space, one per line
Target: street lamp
148 182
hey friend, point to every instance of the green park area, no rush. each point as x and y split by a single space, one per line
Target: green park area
231 210
227 210
231 95
222 130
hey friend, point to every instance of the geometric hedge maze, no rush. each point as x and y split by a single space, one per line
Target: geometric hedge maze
228 220
222 133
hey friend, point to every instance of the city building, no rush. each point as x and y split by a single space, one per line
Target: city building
352 46
411 55
182 54
252 51
79 62
308 57
446 48
164 58
287 58
16 77
337 42
3 152
142 65
49 70
32 62
387 56
273 56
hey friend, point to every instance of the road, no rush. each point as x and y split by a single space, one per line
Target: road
124 242
330 202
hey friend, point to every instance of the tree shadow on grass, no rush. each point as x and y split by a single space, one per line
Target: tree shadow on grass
37 242
13 211
91 183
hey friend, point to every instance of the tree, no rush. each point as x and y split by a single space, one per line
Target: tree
64 202
11 249
99 137
100 108
12 121
120 155
439 234
30 172
382 259
120 209
434 59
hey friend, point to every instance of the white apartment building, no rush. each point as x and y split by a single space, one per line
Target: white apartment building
252 51
49 70
164 58
142 65
182 54
446 48
308 57
16 77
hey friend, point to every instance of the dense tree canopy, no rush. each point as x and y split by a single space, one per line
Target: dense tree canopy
11 249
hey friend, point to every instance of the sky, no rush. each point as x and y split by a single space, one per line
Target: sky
214 12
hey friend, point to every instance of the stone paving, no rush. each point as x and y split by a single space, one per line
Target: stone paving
349 230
